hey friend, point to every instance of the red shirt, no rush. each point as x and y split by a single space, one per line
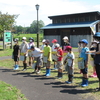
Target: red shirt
60 52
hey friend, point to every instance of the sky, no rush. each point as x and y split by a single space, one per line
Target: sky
27 11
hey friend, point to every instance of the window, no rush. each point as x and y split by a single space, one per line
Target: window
67 20
87 18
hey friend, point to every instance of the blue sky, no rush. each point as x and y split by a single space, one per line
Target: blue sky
27 11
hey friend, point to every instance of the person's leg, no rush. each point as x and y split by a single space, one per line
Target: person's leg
48 68
25 63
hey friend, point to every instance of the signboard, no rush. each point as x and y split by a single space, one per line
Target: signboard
7 36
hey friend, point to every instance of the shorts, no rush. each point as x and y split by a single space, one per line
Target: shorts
70 71
16 58
39 61
59 65
84 71
48 64
30 54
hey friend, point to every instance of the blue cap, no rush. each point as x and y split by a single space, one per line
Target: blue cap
84 41
97 34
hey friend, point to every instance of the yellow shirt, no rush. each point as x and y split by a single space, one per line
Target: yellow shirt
47 50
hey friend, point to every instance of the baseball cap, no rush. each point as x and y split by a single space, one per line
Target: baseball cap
54 41
24 38
65 37
43 40
57 45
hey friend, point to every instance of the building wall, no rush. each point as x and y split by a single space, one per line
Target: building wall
74 39
51 37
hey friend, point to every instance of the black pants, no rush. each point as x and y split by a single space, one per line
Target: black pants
98 70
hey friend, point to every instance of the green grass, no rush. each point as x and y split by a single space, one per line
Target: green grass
7 92
93 82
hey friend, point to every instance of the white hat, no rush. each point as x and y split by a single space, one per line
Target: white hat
57 45
43 40
24 38
65 37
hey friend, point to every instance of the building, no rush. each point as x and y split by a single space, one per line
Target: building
76 26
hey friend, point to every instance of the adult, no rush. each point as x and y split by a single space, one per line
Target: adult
24 52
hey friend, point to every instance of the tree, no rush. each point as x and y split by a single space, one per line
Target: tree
33 26
6 21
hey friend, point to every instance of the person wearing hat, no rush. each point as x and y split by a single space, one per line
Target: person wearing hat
69 59
16 53
66 43
84 56
47 57
97 57
43 44
37 58
54 52
59 65
24 52
31 43
93 49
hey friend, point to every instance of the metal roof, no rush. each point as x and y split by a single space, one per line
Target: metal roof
70 25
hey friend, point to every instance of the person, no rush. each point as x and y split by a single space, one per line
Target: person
47 57
66 43
16 53
31 43
54 52
70 64
59 60
43 44
24 51
85 57
37 58
93 49
97 57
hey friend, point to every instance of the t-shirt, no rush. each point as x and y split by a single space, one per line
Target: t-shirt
60 52
70 57
47 50
83 53
24 47
15 50
36 52
31 44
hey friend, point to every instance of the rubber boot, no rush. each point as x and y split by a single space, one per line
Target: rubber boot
47 72
60 75
17 67
25 66
70 80
29 63
85 82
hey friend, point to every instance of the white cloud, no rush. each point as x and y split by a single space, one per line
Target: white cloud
27 10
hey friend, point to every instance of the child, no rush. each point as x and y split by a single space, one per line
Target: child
47 57
59 60
24 51
54 52
97 57
37 56
31 43
70 64
84 56
16 53
43 44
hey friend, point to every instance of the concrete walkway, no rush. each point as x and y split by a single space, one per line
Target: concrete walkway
38 87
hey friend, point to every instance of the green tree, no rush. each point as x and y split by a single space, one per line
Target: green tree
33 26
6 21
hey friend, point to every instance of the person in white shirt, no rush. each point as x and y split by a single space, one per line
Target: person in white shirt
70 64
54 52
24 51
43 44
31 43
37 58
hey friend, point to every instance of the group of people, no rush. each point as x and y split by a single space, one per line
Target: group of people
63 58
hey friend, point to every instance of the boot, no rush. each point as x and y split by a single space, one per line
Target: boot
47 72
29 63
85 82
70 79
17 67
25 66
60 75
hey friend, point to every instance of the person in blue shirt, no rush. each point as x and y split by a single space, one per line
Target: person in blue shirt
84 56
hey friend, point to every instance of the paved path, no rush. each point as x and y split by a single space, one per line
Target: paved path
38 87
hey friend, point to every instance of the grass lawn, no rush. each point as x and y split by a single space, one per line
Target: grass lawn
89 90
7 92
